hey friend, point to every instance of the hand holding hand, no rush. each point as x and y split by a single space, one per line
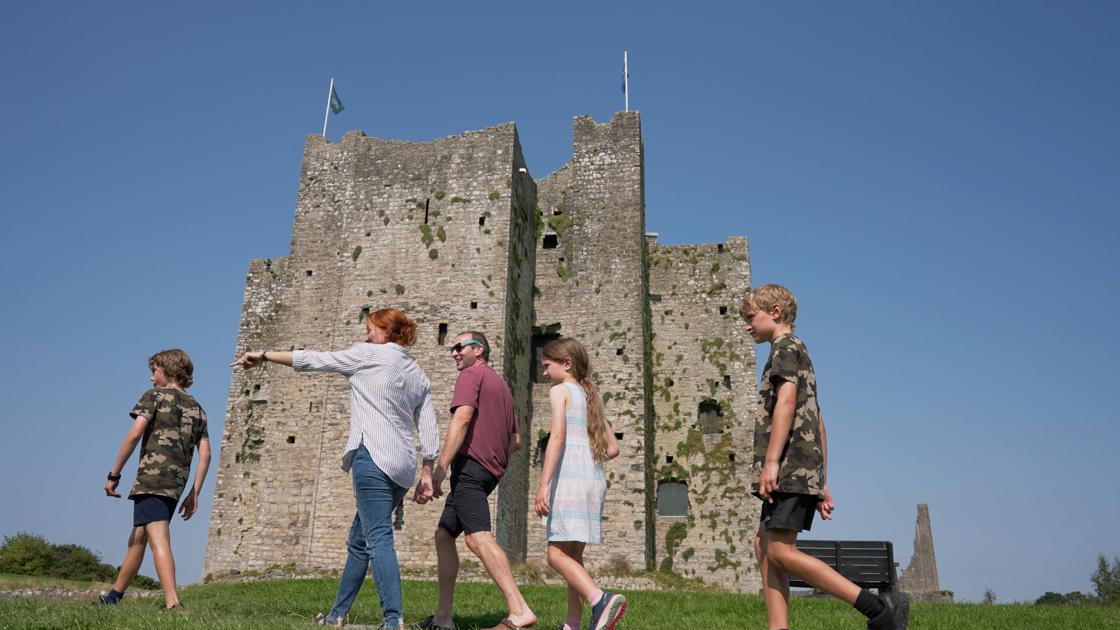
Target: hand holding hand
111 489
825 506
437 481
248 360
189 505
540 503
768 481
424 492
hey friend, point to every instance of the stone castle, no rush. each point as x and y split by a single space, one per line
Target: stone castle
460 236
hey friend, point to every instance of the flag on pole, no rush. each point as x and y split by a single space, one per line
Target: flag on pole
336 102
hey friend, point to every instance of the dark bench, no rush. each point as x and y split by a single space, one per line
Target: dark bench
868 563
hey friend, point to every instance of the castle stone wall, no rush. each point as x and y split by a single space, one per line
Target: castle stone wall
704 363
424 227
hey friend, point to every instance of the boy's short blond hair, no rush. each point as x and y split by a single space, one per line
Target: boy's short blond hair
767 295
176 366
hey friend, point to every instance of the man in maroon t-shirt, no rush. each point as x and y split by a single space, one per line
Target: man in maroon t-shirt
482 434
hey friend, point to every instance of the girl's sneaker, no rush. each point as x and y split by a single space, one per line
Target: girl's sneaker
606 613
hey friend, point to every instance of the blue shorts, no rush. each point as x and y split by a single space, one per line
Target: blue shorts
149 508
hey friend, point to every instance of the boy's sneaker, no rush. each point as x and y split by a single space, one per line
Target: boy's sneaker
111 598
606 613
896 612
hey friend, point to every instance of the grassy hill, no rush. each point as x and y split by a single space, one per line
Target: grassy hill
293 603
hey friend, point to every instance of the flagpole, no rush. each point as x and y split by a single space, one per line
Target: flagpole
327 113
626 80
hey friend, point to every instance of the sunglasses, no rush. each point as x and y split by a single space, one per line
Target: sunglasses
463 344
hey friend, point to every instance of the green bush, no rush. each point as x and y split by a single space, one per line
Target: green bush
28 554
74 562
1076 598
25 554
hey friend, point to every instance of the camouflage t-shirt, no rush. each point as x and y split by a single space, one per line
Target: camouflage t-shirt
176 424
801 467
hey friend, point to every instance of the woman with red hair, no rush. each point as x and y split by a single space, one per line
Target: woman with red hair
390 396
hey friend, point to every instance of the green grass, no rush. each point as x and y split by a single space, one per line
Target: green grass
293 603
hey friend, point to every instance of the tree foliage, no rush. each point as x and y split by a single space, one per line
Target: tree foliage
28 554
989 596
1106 580
1075 598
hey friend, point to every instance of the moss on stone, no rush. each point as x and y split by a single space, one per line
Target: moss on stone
433 253
399 288
440 194
357 252
560 222
494 195
716 288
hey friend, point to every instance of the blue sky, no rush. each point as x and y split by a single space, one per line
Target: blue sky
937 182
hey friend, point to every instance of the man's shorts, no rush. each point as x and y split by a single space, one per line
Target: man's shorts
149 508
789 511
466 508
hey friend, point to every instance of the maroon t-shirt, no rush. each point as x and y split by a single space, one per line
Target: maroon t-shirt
494 421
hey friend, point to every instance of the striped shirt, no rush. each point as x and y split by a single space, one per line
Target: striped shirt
389 397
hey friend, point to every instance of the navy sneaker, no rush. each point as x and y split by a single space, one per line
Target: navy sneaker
896 612
111 598
606 613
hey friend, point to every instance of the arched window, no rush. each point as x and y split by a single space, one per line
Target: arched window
710 417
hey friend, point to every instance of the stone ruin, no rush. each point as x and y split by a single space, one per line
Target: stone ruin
919 578
460 236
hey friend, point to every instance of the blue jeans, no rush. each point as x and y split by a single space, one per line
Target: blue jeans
371 541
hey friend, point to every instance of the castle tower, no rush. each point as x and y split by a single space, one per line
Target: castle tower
591 285
442 230
705 399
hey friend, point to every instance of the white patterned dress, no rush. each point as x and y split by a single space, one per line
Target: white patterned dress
579 487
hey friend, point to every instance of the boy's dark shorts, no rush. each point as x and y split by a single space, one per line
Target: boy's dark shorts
149 508
467 509
789 511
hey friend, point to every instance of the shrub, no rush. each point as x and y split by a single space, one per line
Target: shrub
28 554
75 562
1076 598
25 554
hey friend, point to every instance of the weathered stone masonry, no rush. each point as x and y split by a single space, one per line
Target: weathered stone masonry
458 234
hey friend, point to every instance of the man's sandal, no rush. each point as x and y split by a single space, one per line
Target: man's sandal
506 624
430 624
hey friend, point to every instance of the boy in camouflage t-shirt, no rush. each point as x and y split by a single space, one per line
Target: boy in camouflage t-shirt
790 463
168 423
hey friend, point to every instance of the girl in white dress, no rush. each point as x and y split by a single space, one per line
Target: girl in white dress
573 485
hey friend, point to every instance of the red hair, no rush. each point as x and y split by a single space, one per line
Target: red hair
400 329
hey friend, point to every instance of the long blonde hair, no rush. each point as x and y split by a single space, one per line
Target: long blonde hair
567 348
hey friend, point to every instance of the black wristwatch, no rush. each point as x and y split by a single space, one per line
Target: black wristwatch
113 477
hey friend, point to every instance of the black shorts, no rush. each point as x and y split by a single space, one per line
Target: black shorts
149 508
789 511
466 508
